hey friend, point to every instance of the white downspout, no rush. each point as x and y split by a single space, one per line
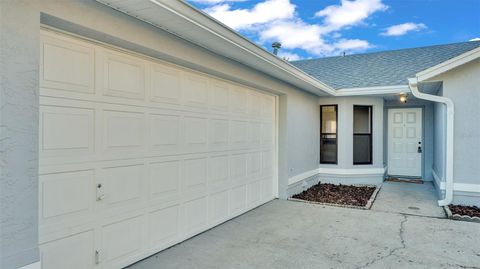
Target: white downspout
412 84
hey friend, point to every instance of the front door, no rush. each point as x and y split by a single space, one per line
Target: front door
405 143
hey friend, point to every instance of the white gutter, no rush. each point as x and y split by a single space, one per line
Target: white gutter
413 85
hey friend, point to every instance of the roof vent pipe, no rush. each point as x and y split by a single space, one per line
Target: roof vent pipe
276 46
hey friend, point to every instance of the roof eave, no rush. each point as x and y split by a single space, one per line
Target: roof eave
448 65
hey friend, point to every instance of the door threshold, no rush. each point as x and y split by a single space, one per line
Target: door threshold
404 180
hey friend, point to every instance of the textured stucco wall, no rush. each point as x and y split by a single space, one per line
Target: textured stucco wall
439 139
462 85
427 131
19 54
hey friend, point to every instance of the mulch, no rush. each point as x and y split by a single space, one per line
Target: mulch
462 210
337 194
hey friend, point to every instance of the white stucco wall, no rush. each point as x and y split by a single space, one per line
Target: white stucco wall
19 51
298 111
439 139
462 85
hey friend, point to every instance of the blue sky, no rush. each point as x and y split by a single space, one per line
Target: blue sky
320 28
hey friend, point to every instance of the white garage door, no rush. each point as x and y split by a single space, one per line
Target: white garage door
137 155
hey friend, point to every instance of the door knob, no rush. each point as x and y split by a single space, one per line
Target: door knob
419 150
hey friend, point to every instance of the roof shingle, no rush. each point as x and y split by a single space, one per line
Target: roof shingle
386 68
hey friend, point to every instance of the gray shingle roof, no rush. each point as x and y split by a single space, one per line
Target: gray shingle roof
384 68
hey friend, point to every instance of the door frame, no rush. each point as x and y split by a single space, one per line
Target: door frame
387 135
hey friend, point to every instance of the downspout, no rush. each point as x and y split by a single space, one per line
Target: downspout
412 84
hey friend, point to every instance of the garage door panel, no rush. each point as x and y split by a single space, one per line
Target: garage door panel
255 136
254 165
123 132
254 104
66 131
164 180
268 106
219 94
218 134
267 134
67 65
238 100
218 207
267 161
267 189
254 193
238 199
194 176
195 88
163 225
122 186
75 252
156 154
121 239
195 134
164 133
195 215
218 172
239 134
75 189
165 85
124 76
238 168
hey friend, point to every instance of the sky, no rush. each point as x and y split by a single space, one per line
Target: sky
321 28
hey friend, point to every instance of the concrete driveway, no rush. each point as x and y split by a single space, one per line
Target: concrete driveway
286 234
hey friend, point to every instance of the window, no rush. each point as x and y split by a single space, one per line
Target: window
362 134
328 134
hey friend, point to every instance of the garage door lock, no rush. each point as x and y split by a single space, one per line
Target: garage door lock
98 256
100 194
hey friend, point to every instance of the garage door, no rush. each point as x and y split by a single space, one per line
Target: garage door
137 155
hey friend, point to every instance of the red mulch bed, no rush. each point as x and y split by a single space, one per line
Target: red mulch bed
337 194
463 210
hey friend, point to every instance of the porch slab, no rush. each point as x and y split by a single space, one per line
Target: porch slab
408 198
286 234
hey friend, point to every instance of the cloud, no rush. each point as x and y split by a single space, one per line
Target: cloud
261 13
349 13
475 39
404 28
352 45
211 2
309 37
277 20
296 35
289 56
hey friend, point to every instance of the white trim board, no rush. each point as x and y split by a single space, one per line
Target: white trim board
302 176
35 265
343 172
378 90
463 187
448 65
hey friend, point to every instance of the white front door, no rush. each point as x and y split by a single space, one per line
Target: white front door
405 143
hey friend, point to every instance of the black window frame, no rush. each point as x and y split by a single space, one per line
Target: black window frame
336 134
370 134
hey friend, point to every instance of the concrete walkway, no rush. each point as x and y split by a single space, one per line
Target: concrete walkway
286 234
408 198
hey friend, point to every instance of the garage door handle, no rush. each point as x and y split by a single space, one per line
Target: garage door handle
100 194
